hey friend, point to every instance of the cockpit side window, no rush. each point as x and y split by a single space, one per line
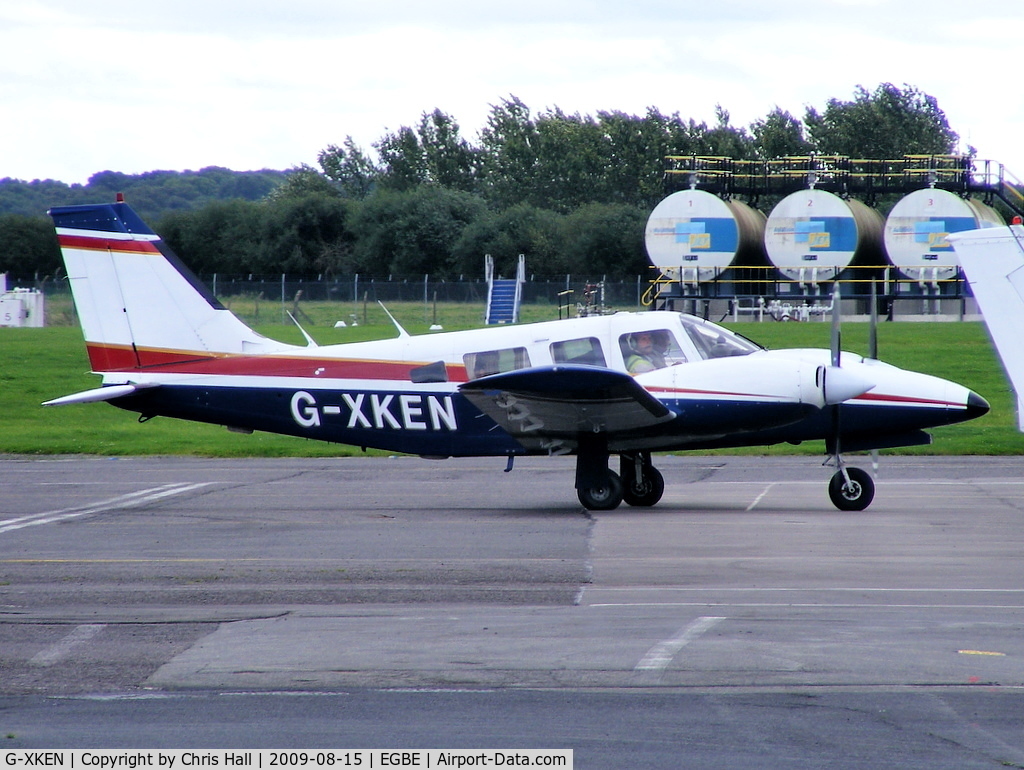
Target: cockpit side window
586 350
713 341
650 349
494 361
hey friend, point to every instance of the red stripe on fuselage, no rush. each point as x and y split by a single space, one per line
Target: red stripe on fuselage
108 358
882 397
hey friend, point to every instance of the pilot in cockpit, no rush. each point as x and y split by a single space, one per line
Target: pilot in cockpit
646 352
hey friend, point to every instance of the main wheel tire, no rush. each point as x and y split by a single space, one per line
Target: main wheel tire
855 496
646 493
605 497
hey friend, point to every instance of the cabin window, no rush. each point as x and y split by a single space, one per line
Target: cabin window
713 341
582 351
495 361
650 349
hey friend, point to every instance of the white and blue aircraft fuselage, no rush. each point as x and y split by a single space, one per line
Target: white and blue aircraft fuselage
626 384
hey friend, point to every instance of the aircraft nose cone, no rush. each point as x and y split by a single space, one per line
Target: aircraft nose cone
976 405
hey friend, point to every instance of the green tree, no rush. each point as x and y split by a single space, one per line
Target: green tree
635 158
403 161
223 237
605 239
351 169
725 140
889 123
302 234
509 143
520 229
779 134
303 182
449 159
28 245
412 232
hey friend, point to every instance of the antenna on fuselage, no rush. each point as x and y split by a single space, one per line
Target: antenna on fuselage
310 342
401 332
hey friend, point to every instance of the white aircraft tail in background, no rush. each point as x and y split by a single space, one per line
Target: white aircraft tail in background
993 263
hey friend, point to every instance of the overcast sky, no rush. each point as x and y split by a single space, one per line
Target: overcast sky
137 86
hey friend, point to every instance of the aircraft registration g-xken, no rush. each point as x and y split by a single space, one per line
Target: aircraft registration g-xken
627 384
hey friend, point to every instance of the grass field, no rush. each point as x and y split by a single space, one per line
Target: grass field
40 364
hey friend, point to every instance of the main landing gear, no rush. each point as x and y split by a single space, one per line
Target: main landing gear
599 488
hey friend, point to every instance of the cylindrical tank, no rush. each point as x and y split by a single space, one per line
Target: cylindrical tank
693 235
813 235
917 226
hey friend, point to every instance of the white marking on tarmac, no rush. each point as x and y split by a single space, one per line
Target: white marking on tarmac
760 497
57 652
661 654
131 500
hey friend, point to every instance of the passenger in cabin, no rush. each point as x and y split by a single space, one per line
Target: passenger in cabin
646 352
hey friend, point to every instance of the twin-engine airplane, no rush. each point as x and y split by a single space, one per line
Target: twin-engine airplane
627 384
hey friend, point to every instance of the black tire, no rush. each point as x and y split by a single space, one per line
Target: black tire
648 492
603 498
855 496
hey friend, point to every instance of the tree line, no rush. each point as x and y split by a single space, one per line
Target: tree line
570 191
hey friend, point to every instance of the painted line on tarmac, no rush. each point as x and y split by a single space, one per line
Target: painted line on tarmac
57 652
760 497
131 500
661 654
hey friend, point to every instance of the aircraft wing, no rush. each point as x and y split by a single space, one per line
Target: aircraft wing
564 400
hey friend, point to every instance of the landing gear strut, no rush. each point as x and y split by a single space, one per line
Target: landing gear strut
642 483
597 487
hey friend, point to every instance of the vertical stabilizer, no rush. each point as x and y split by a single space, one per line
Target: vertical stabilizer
139 305
993 263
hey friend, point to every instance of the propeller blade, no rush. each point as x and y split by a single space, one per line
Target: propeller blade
873 327
836 321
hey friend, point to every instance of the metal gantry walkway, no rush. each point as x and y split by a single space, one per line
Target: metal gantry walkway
856 177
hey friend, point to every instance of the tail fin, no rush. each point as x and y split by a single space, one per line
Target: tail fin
993 262
139 305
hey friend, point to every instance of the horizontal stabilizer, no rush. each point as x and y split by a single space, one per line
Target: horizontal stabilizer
564 401
107 393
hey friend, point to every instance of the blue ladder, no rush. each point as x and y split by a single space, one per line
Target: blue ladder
501 306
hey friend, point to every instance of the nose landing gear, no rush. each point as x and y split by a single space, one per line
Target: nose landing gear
851 489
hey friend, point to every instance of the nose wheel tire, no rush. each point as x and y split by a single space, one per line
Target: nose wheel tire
855 495
604 497
647 491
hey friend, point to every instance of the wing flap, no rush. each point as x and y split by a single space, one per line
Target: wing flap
564 401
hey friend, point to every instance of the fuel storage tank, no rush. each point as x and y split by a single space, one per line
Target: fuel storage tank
694 236
917 226
813 235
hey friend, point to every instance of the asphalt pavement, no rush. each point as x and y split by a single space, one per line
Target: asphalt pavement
184 602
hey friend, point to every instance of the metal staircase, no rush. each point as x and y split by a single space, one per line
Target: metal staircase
504 295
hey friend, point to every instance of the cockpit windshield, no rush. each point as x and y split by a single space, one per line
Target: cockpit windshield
713 341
